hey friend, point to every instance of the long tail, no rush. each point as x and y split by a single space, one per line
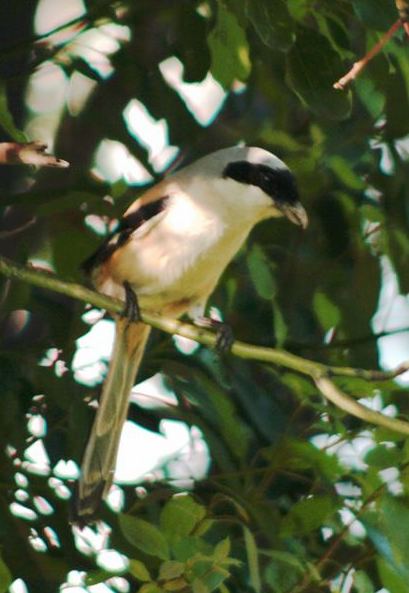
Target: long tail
99 459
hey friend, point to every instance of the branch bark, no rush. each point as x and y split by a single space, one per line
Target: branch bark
357 68
31 153
318 372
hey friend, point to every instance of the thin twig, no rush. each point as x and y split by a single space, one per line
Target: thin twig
402 7
334 545
318 372
346 343
77 24
369 375
23 227
332 393
30 153
361 64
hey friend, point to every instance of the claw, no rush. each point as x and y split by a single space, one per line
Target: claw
224 333
224 337
131 309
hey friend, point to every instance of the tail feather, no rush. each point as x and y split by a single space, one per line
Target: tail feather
99 459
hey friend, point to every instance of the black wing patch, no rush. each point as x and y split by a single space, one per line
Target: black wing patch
279 184
127 225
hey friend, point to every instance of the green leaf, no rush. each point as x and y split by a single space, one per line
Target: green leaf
327 313
175 585
304 456
376 14
372 213
382 457
144 536
390 579
215 578
198 586
252 559
312 68
48 204
370 95
171 570
272 22
261 272
97 576
180 516
285 558
307 515
398 250
299 8
345 173
139 570
5 576
6 119
280 326
229 49
395 521
388 530
69 248
201 564
184 549
362 582
151 588
222 412
211 579
222 550
204 526
280 579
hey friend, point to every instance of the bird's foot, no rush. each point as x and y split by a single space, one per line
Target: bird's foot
224 333
131 309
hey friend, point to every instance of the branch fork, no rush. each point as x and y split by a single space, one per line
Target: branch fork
319 373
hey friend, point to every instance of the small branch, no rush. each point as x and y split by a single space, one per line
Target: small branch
336 344
17 230
318 372
77 25
357 68
334 545
332 393
32 153
402 7
369 375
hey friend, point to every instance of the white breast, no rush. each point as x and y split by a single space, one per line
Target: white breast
182 254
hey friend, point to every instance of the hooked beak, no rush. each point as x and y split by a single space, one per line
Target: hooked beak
296 213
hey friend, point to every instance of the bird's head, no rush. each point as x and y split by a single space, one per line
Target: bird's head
253 178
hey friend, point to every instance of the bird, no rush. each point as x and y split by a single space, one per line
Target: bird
166 257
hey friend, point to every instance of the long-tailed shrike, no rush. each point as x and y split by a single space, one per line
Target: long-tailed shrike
168 253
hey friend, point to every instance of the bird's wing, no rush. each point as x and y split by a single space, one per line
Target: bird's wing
141 215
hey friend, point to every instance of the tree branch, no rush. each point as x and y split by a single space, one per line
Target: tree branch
31 153
331 392
317 371
402 6
357 68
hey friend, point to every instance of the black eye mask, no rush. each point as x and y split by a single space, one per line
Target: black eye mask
277 183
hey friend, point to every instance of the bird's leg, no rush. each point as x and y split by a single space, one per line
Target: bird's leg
224 333
131 309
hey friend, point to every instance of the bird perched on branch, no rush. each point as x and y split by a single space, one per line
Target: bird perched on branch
166 256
